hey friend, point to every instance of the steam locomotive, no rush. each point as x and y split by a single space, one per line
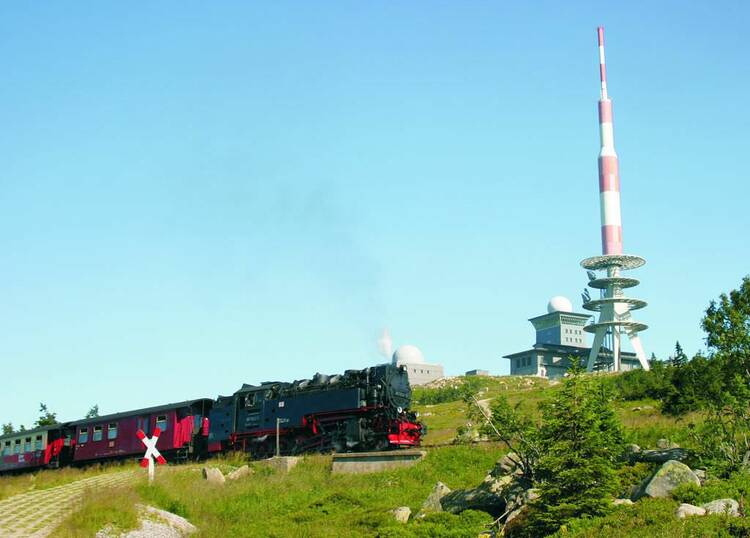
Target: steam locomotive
358 410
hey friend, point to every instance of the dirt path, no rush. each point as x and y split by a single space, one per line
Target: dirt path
36 513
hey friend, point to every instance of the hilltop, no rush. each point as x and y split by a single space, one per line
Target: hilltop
309 501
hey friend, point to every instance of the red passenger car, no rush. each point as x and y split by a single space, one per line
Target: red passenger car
184 428
32 449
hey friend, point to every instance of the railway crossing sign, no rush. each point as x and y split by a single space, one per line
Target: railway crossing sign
151 452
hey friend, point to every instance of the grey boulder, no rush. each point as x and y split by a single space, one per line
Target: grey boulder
432 503
667 478
723 506
686 510
213 476
401 514
240 473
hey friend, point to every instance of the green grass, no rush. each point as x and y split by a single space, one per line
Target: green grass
312 502
112 507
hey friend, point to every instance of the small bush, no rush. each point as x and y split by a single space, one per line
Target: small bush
735 487
632 475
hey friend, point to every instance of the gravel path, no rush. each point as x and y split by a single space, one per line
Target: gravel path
36 514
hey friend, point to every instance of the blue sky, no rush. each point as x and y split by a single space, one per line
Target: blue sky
195 195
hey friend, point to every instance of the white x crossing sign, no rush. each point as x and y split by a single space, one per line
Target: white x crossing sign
151 452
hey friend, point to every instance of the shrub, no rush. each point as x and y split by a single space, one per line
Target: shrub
441 525
581 442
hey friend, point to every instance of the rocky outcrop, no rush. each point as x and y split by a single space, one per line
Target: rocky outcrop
686 510
242 472
457 501
503 490
213 476
723 506
401 514
667 478
508 464
432 503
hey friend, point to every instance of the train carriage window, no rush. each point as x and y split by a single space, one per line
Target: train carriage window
161 422
27 444
83 435
17 446
38 443
97 433
112 431
6 448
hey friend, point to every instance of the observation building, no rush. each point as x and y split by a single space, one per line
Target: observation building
560 339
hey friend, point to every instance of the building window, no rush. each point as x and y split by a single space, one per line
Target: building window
112 431
27 444
38 443
518 363
83 435
17 446
97 434
161 422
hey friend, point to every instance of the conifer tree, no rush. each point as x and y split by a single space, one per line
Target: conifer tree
679 358
581 440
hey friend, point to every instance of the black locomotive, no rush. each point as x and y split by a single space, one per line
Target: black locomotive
359 410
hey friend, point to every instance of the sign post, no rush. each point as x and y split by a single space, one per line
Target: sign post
279 421
151 452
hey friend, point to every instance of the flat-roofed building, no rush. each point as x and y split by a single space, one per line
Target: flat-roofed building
560 339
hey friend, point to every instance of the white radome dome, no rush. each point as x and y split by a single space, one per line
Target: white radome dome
558 303
408 354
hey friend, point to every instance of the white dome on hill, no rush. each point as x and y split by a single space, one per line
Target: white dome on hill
558 303
408 354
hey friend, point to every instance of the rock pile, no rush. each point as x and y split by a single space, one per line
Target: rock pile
729 507
504 493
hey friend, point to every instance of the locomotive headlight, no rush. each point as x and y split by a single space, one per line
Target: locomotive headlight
416 414
399 409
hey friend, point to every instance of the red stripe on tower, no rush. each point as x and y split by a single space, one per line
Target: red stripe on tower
609 175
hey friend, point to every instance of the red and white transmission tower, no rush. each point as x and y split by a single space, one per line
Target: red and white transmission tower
614 308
